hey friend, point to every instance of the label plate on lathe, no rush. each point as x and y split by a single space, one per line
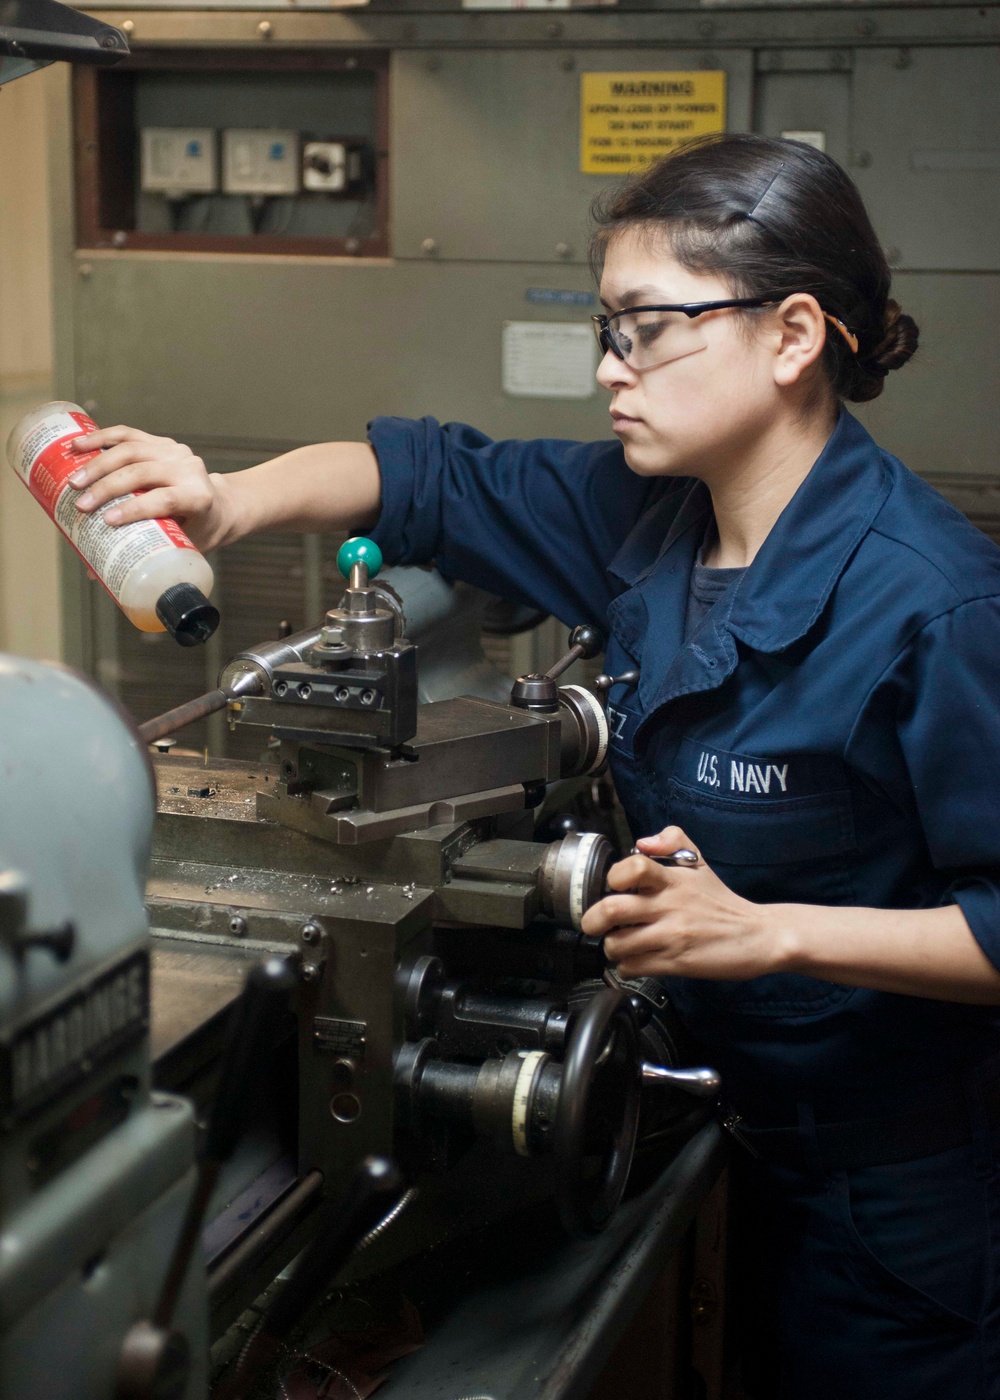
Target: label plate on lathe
44 1056
338 1036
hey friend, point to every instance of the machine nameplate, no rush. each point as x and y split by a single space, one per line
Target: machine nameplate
338 1036
45 1056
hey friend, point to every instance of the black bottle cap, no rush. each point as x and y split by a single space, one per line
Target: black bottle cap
187 614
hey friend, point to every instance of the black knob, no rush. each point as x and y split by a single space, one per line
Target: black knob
589 640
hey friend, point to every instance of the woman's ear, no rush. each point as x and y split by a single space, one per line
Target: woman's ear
801 335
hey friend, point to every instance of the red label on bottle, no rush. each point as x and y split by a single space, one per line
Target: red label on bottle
55 464
48 474
174 533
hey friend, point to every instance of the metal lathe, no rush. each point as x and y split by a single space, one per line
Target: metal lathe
432 999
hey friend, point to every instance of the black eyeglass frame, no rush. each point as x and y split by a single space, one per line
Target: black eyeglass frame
691 309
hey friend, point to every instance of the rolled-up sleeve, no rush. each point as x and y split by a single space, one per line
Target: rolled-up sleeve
537 522
949 727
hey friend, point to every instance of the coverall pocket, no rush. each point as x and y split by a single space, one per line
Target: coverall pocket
786 848
921 1237
791 849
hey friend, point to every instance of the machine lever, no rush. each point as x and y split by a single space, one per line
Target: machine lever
538 691
604 682
374 1189
702 1083
584 642
155 1359
59 941
255 1023
685 858
251 1042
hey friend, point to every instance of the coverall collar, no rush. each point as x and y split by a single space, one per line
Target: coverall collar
781 595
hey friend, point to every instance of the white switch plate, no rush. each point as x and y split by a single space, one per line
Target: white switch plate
324 166
260 160
178 160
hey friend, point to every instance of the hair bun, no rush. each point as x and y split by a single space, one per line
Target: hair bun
900 338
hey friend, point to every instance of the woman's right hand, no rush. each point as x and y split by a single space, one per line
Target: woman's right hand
173 481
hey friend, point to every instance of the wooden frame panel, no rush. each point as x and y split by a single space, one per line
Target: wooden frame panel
104 134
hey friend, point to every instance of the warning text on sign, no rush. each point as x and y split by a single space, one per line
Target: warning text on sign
628 120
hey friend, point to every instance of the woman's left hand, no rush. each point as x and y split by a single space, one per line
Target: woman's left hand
677 921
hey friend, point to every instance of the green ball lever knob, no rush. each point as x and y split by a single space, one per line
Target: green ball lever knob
359 551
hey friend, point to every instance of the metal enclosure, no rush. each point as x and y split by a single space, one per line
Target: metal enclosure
242 355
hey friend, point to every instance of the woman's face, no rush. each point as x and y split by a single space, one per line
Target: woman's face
688 416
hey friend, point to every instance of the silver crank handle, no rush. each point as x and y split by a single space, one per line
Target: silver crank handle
683 857
702 1083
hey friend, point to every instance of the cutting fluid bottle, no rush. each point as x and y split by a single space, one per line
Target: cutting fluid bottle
150 568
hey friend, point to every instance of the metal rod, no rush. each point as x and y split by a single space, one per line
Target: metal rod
208 1174
565 662
703 1083
312 568
188 713
273 1225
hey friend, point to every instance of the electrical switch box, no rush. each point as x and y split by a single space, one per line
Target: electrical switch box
260 160
324 166
178 160
344 167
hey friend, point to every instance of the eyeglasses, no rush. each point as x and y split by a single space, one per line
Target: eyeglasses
647 336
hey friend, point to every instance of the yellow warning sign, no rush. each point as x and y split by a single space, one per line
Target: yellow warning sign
628 120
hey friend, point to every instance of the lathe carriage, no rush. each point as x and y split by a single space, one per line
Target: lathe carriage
448 1011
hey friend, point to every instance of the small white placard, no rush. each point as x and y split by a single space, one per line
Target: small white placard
808 138
521 4
548 360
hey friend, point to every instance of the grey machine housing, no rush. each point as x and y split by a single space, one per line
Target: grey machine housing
95 1167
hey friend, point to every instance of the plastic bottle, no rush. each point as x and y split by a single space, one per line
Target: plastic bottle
150 567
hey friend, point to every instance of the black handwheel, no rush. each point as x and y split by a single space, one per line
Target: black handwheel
597 1113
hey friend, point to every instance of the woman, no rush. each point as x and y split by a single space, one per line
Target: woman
816 634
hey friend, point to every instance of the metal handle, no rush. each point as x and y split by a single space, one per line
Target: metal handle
376 1186
255 1022
604 682
256 1019
703 1083
14 929
684 857
584 642
604 1047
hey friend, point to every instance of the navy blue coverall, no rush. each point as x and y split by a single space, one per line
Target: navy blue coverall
829 735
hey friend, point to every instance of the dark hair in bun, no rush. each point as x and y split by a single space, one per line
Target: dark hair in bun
774 218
